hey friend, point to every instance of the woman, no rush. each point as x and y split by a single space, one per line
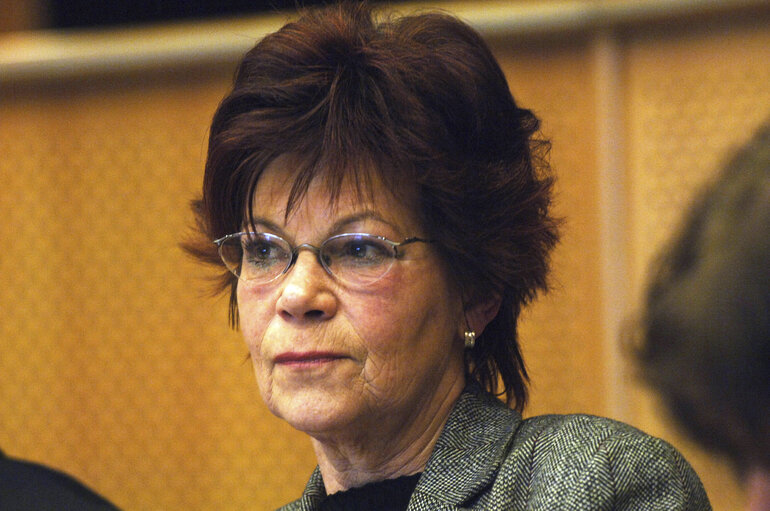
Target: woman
381 204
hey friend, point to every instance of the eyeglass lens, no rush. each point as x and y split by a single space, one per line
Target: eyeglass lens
353 258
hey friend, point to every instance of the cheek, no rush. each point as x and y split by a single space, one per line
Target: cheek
408 318
253 316
376 313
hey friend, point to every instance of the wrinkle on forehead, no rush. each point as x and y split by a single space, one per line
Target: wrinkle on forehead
288 170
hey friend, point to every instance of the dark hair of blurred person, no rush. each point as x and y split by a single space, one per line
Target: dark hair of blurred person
705 336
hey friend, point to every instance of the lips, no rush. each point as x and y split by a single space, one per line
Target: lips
307 357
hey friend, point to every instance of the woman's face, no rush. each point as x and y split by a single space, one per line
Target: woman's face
331 359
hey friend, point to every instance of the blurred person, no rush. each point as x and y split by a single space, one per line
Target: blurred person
27 486
379 206
705 336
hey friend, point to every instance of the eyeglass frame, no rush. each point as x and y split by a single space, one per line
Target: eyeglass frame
316 250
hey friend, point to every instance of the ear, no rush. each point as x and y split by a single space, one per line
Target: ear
480 314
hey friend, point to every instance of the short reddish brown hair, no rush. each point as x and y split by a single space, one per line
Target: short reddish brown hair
420 101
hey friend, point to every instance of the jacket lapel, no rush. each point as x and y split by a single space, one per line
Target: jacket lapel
311 497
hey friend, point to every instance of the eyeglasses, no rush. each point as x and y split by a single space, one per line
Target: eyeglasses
355 259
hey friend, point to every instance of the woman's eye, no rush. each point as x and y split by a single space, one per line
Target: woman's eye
260 252
363 252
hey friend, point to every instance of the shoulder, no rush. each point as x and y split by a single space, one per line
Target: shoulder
575 462
605 444
26 485
560 433
588 455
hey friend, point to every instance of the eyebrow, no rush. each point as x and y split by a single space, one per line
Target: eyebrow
265 222
368 214
336 228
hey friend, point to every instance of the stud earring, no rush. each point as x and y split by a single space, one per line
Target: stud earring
470 339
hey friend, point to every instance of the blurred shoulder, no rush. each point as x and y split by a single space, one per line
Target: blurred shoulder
30 486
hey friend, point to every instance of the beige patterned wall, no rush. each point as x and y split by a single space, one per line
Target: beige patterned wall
561 334
115 365
118 368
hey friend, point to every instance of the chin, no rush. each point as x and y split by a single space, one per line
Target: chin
312 411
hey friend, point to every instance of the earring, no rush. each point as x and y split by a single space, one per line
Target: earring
470 339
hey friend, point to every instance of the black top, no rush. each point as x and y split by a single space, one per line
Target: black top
29 486
388 495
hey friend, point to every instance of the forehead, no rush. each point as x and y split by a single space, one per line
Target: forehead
329 196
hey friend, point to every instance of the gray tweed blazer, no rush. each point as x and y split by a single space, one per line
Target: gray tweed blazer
488 458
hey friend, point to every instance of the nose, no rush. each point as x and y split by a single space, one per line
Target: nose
305 294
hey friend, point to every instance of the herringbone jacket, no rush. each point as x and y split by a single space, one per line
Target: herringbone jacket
488 458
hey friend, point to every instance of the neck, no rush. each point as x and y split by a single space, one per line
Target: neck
385 450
